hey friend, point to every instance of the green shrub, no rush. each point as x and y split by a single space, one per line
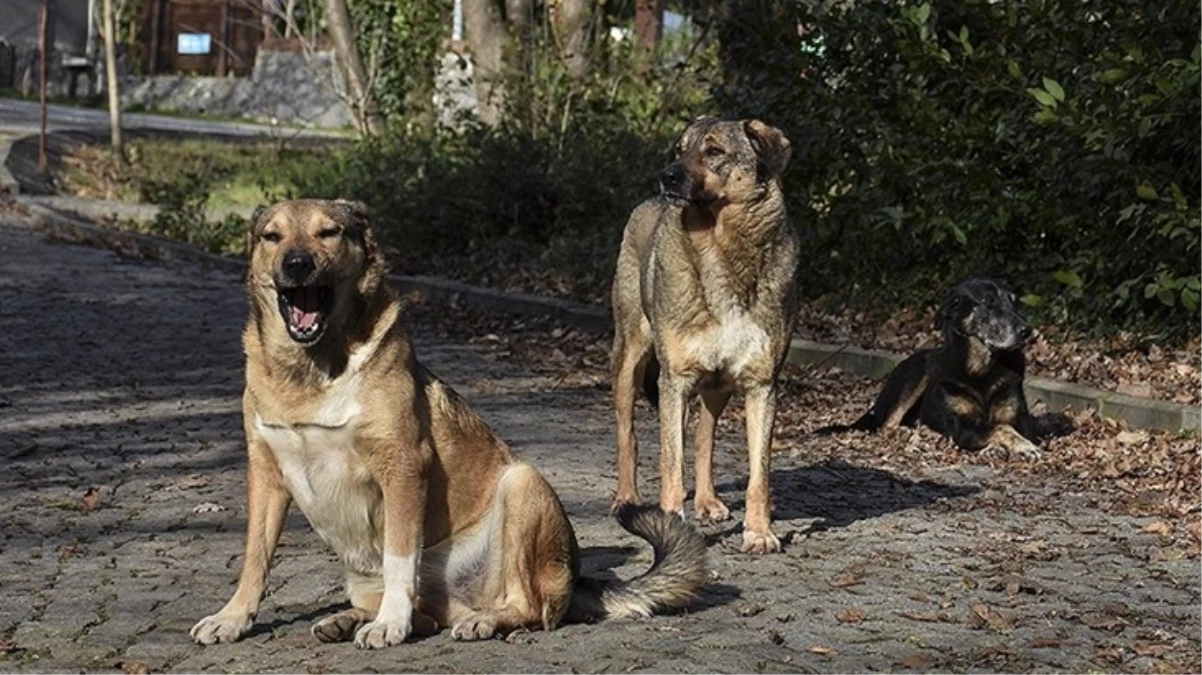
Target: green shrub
1053 143
556 179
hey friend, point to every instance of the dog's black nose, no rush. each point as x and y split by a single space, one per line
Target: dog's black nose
298 265
671 177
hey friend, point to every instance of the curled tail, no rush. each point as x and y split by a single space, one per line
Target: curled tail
678 572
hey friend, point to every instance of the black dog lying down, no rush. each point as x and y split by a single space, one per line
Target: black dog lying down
970 388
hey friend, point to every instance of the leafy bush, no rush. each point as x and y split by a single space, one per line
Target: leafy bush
557 178
1053 143
182 200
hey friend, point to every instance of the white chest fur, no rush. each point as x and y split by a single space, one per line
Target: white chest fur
327 478
733 339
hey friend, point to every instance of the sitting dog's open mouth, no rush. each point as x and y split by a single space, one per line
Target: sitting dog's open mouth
305 310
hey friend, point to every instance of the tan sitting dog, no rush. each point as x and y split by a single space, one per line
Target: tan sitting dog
704 299
436 521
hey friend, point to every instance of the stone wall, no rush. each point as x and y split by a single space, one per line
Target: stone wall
288 87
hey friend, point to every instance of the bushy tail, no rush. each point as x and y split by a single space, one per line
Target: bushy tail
679 571
869 421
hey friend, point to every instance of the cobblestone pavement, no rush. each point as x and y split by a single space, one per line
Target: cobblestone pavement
122 510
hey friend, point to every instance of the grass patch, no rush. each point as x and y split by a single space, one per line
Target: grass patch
230 173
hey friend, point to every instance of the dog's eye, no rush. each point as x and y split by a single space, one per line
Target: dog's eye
714 151
273 237
329 233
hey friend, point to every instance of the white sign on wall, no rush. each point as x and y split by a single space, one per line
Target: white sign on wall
193 43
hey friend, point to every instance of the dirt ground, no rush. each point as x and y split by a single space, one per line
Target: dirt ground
122 509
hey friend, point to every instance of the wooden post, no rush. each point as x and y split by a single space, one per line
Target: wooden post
113 83
43 57
156 27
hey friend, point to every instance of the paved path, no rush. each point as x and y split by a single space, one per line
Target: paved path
24 117
121 512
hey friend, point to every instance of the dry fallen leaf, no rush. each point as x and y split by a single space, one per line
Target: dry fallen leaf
1159 527
921 616
1046 643
133 667
91 500
1132 437
846 579
749 609
850 615
825 651
917 661
983 616
1150 649
207 507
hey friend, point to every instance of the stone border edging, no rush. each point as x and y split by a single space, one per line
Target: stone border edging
1138 412
8 182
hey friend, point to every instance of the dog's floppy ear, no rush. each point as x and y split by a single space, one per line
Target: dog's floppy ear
359 221
770 145
947 309
252 228
686 137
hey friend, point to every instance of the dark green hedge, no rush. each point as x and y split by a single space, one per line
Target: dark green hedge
1055 144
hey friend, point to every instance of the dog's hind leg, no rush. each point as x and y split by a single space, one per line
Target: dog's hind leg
530 564
631 354
706 504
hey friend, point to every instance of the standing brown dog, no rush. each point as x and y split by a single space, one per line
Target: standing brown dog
394 471
704 298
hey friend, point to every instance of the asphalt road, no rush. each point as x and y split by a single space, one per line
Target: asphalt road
24 117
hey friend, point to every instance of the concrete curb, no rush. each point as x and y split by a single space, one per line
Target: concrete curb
1136 411
101 209
8 182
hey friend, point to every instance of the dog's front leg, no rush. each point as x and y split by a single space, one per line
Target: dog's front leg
757 522
267 504
403 484
673 411
1013 442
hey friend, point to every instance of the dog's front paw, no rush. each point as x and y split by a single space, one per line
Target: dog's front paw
479 626
760 542
221 627
1026 450
621 500
711 510
382 633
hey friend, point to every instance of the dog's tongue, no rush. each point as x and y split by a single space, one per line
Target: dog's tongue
304 311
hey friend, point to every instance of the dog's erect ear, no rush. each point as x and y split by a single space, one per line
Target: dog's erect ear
770 145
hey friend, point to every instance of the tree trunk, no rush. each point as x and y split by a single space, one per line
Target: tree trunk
486 38
363 101
573 27
111 82
649 23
